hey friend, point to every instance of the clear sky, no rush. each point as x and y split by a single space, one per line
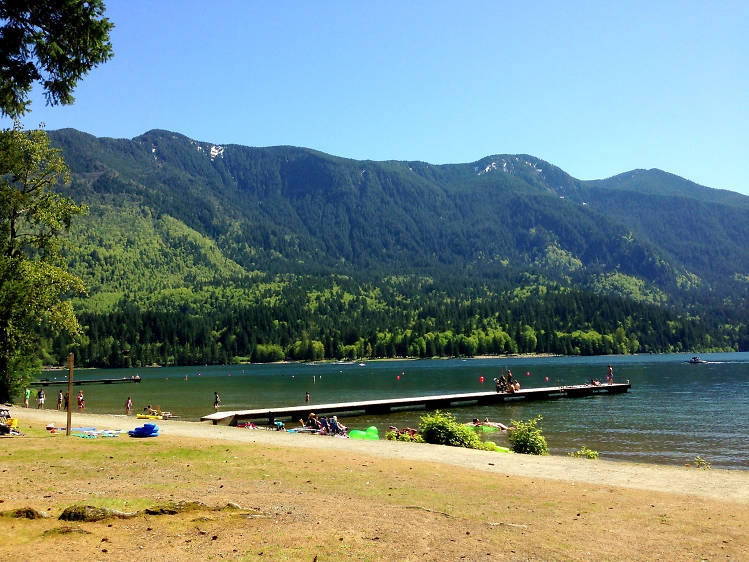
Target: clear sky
596 88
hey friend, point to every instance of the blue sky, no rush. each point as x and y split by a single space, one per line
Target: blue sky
596 88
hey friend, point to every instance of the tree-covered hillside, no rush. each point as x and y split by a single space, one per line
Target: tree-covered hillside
241 241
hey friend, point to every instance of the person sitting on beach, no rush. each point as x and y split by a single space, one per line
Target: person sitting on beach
337 428
324 426
312 421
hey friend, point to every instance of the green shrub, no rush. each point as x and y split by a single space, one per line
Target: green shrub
527 439
441 428
584 453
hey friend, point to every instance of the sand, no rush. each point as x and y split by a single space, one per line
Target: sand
718 484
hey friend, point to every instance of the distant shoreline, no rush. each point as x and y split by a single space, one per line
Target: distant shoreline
54 368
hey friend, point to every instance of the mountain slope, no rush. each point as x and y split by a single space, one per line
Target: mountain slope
294 209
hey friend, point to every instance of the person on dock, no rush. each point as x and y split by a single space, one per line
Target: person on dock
216 401
40 398
128 405
501 383
59 399
610 376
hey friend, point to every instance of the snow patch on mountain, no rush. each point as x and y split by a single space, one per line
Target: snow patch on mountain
216 152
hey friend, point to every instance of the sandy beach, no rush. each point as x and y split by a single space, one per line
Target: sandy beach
715 484
310 497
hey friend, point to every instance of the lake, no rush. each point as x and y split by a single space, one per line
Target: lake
674 411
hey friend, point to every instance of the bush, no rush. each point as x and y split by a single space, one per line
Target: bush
441 428
584 453
527 439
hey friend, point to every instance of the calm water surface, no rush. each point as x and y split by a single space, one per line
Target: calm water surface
673 412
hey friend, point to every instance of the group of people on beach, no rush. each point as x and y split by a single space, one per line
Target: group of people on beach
508 384
325 426
62 399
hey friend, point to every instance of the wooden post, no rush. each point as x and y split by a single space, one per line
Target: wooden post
70 392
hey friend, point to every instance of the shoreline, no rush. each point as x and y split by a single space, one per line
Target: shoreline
720 484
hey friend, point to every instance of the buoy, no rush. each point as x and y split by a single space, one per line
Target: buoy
481 379
398 377
528 374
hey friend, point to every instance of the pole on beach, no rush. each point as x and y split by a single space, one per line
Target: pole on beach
70 392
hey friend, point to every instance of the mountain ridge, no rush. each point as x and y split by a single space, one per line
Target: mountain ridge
283 207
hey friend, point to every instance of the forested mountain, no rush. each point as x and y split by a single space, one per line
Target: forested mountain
304 243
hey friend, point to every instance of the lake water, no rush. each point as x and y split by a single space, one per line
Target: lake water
673 412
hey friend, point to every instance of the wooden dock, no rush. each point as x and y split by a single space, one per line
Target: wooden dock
442 401
78 382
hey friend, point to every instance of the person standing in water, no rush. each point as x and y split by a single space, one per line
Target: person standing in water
306 397
59 399
128 405
216 401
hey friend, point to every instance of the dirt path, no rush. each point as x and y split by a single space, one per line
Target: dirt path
718 484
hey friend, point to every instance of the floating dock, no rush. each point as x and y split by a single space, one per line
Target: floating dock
441 401
78 382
